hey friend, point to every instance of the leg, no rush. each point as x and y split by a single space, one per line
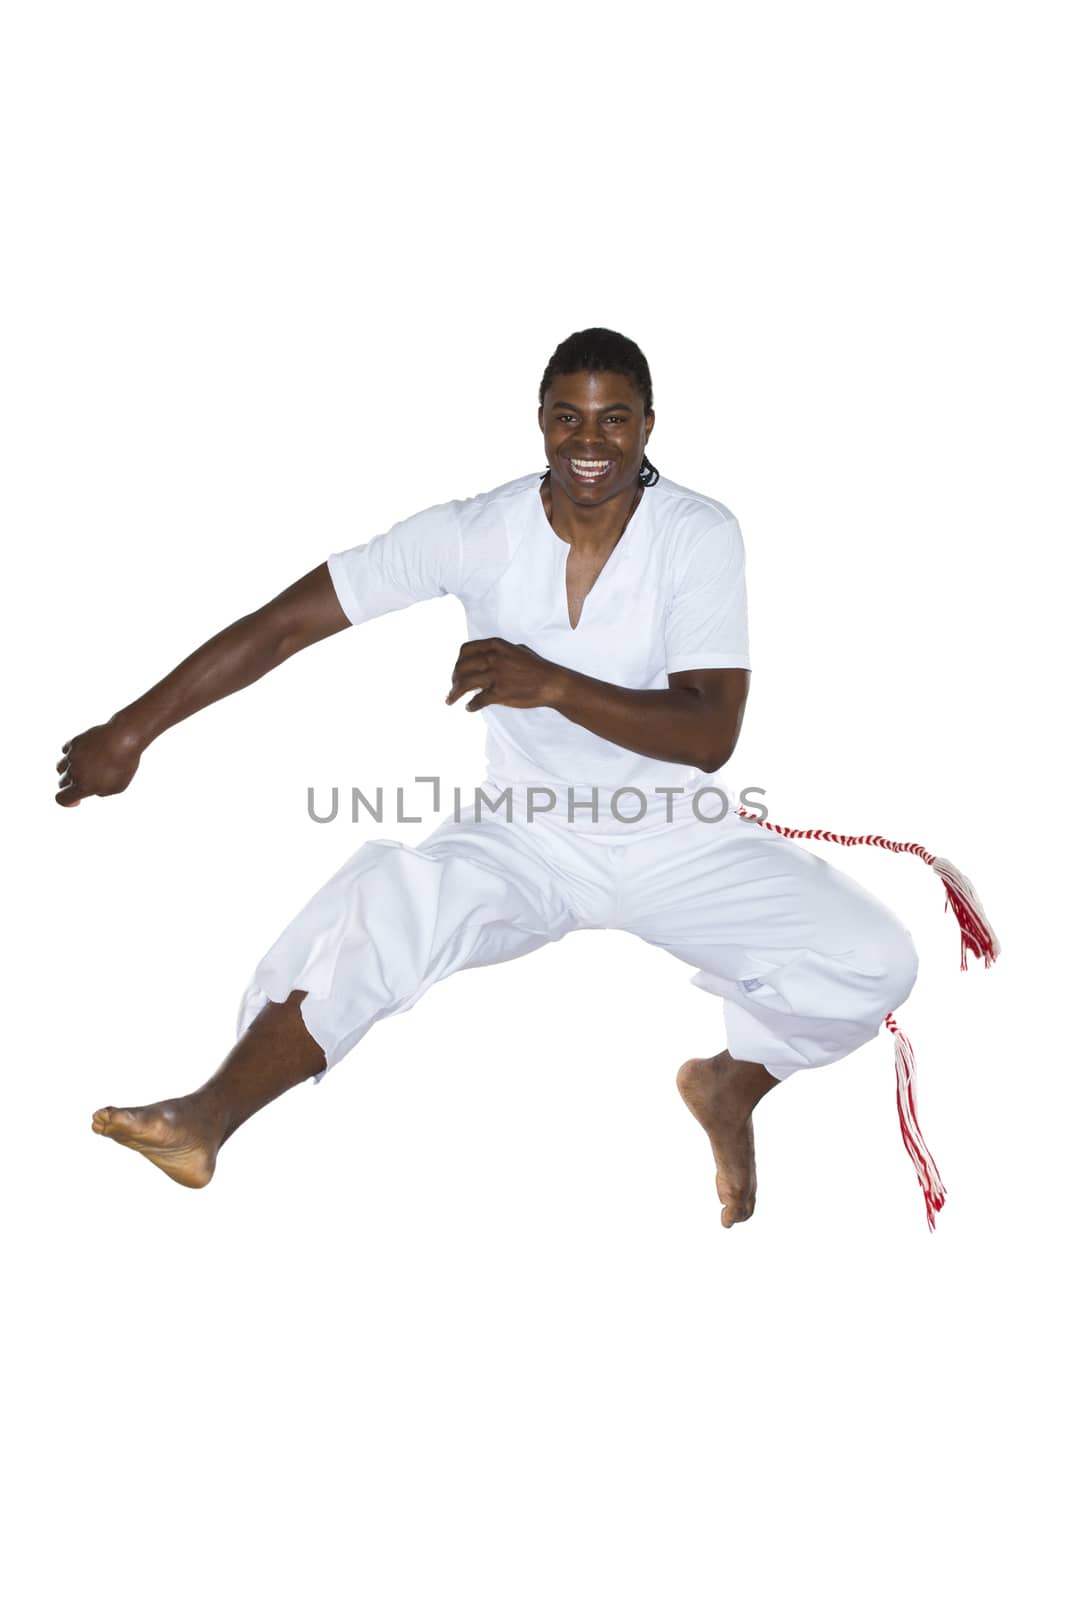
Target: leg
722 1094
182 1136
807 961
397 919
393 921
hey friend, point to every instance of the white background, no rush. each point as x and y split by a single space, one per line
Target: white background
462 1320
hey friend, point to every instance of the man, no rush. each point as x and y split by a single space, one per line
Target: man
608 650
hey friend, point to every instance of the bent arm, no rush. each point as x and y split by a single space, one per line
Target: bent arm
245 651
697 721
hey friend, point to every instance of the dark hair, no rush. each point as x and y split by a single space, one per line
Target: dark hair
603 350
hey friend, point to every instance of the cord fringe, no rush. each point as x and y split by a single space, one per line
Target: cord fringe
976 938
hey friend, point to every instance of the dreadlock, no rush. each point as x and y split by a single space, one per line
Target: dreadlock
603 350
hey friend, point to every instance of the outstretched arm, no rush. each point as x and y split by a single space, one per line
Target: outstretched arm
104 758
695 722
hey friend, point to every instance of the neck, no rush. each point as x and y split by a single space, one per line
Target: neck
593 527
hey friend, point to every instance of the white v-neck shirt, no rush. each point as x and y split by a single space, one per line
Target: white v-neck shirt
670 598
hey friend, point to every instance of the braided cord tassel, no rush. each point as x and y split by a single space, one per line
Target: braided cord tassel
976 934
926 1170
976 937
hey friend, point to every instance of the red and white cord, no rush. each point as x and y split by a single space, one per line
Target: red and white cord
976 938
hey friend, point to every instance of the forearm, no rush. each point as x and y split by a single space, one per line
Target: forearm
234 658
663 724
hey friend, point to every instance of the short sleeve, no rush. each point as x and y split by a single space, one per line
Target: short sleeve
707 616
417 559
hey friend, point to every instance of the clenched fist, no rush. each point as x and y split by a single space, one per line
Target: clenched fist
507 675
100 761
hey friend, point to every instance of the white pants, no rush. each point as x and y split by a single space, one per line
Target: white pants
806 960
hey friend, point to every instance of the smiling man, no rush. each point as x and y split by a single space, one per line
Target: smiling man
608 651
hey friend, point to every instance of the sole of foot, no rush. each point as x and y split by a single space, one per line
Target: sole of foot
164 1136
706 1088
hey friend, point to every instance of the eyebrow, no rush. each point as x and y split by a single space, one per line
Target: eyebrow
568 405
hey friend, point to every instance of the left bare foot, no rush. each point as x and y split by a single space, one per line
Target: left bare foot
173 1134
721 1092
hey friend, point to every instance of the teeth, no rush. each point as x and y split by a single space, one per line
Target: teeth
590 466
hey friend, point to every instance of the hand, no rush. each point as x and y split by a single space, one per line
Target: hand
100 761
507 675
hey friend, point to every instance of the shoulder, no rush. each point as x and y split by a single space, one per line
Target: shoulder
695 528
501 502
680 507
492 526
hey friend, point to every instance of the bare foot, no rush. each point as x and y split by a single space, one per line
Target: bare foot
721 1092
175 1135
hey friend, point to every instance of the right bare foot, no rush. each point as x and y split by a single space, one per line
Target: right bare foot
721 1093
175 1136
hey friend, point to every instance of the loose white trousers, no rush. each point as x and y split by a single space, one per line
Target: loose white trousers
807 961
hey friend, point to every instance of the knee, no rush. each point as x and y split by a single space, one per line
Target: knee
899 960
878 980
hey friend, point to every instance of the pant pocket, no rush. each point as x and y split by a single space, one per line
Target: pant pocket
742 972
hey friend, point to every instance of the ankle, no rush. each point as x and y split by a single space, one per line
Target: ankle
741 1085
209 1111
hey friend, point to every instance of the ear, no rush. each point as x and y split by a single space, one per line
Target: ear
650 423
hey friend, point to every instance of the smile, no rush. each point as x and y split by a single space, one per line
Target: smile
589 471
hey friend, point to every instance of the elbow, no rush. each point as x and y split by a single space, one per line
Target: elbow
286 645
716 759
714 731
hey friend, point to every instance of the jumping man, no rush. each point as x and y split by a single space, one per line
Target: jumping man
608 650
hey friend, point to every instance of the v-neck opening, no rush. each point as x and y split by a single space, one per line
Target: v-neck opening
567 548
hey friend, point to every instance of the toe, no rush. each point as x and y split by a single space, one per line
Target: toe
737 1205
116 1121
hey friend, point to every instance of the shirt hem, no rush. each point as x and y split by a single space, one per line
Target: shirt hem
346 597
704 659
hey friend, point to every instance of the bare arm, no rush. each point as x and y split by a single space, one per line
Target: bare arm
104 758
696 722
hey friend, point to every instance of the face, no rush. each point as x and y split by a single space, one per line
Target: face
595 430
